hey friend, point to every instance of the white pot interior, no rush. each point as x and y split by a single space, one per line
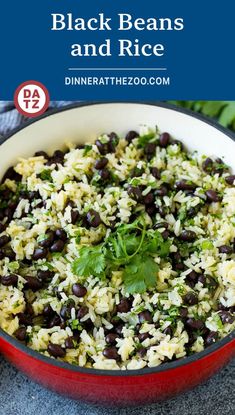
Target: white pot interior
85 123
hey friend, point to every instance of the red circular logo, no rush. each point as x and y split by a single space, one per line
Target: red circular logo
31 98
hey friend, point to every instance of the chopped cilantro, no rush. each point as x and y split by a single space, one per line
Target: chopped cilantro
45 175
87 149
207 245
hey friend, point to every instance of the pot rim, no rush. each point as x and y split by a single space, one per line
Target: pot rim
123 373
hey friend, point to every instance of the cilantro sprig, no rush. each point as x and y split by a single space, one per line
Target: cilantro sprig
131 248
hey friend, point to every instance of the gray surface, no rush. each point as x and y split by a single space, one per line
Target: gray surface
20 396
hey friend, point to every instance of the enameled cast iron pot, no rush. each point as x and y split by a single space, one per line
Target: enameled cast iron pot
80 122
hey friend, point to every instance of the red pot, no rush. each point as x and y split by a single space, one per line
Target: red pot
116 387
134 387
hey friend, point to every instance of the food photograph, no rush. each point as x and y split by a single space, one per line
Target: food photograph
117 258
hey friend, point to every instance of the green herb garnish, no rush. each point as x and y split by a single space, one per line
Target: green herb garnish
131 248
45 175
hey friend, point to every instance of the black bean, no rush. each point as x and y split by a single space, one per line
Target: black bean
225 249
230 179
185 185
63 324
29 309
76 335
65 311
12 175
177 261
143 336
20 333
212 196
79 290
191 279
57 246
226 317
74 216
48 311
142 352
190 298
82 312
2 254
150 148
32 283
160 225
164 140
41 154
48 240
104 174
192 212
135 193
111 338
194 324
39 253
131 135
55 321
119 328
45 275
61 234
168 331
155 172
88 325
149 198
124 306
192 337
183 312
211 338
24 319
56 350
202 279
161 191
102 147
192 276
165 234
9 253
188 236
113 142
71 203
4 239
2 227
207 165
6 194
10 279
93 218
101 163
33 195
9 213
145 316
58 154
151 210
70 342
111 353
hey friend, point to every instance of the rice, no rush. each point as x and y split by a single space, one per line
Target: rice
104 314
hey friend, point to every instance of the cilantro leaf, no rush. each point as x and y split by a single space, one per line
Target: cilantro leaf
130 248
91 261
45 175
140 274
